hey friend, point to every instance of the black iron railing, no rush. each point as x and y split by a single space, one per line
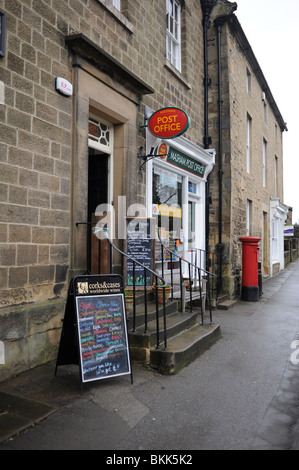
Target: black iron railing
194 280
158 281
211 261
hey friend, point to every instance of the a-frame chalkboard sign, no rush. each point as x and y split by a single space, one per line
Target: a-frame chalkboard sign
94 333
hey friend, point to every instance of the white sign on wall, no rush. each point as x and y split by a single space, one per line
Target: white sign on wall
65 87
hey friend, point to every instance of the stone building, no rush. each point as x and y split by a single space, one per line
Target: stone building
246 128
78 81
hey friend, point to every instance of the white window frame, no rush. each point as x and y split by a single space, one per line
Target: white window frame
248 81
264 163
248 142
116 4
276 175
107 149
173 33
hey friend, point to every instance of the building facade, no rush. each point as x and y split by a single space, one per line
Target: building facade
247 129
78 81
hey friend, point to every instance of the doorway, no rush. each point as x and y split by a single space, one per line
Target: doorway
98 170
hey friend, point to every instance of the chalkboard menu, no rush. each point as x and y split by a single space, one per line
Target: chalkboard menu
140 242
101 328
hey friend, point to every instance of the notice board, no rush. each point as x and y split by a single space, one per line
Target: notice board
140 245
95 314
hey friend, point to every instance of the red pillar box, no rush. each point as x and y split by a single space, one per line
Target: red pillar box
250 258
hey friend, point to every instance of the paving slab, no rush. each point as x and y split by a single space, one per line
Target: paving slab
17 414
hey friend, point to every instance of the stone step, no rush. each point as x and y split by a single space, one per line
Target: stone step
184 348
175 323
171 307
227 304
186 337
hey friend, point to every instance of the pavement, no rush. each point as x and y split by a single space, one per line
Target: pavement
241 394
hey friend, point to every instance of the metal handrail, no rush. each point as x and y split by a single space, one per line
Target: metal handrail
196 267
162 284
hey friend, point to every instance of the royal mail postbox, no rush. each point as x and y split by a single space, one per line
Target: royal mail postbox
250 277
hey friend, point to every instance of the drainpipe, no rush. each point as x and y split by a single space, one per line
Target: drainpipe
207 7
219 23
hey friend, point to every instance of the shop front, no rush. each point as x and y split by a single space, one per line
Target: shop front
176 198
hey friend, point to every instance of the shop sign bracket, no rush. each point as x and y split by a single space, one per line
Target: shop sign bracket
147 158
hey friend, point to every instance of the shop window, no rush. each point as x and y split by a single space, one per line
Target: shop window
167 206
192 188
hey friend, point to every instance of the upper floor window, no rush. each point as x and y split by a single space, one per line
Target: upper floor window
248 143
276 175
265 112
173 33
264 162
115 3
248 81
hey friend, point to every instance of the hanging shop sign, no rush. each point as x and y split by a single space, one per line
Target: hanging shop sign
289 231
180 160
168 123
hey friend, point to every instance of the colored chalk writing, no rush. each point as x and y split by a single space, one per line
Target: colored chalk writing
103 343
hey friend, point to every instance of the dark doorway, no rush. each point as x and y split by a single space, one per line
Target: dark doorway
97 195
97 180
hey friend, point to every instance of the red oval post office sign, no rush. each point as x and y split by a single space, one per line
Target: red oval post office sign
168 123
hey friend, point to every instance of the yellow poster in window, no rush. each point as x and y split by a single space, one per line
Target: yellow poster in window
169 211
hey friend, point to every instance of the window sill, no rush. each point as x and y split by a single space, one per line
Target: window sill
177 74
117 15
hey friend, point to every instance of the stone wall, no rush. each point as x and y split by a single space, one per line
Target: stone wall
37 145
239 185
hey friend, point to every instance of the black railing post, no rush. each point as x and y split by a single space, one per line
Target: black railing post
200 295
164 318
181 283
145 302
134 299
209 294
157 316
110 260
162 260
190 287
171 274
193 265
